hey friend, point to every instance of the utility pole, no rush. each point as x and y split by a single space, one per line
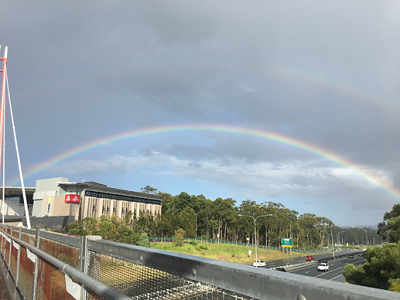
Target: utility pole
255 231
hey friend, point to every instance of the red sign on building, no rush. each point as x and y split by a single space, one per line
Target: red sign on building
72 198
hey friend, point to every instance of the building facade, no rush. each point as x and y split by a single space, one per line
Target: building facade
14 201
59 197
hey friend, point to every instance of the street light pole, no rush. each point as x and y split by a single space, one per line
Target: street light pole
366 239
338 237
333 247
255 230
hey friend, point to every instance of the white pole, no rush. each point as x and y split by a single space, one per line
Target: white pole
4 167
3 116
255 237
28 221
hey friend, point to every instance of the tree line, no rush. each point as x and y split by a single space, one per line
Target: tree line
223 219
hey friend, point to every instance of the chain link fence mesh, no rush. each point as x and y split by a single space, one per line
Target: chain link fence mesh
63 252
28 238
26 273
51 283
141 282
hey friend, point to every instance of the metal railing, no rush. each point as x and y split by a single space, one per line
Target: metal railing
46 265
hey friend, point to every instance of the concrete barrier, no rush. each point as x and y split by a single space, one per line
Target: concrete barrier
294 266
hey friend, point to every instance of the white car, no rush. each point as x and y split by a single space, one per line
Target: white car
323 267
259 263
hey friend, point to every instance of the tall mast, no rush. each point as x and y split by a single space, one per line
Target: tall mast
3 92
28 220
2 123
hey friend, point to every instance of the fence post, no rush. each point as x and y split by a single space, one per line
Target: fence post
1 242
36 271
9 252
83 263
18 258
84 257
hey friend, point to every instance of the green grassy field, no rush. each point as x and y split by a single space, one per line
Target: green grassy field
225 252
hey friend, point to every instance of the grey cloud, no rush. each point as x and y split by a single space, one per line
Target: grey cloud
324 73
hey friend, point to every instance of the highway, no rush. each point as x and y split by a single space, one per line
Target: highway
298 260
335 272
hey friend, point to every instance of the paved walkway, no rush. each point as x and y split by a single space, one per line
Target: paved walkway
4 294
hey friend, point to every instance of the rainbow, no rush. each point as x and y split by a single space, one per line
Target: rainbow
270 136
351 92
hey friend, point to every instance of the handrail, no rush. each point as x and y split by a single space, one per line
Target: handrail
237 279
259 283
95 285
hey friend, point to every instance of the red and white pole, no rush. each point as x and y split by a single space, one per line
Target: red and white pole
2 105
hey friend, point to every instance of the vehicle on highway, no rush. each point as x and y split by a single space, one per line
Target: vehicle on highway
323 261
360 254
351 256
323 267
259 263
280 269
309 258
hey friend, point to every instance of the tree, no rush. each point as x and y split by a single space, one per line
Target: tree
390 227
179 237
87 226
127 235
148 190
382 269
107 230
74 229
143 240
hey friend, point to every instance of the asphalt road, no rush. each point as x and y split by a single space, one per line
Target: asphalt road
335 272
302 259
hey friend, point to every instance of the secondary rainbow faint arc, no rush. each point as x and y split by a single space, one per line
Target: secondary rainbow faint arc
279 138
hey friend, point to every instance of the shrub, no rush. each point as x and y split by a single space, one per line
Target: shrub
179 237
143 240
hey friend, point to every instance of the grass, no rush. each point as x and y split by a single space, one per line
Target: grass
225 252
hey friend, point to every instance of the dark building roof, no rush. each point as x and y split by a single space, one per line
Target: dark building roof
102 188
11 191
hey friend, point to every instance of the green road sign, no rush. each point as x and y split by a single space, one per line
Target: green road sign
286 243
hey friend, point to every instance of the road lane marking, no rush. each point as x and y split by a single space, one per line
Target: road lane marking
330 270
336 277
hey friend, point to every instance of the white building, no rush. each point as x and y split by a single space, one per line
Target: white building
59 197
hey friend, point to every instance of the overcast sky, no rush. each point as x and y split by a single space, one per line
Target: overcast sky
324 75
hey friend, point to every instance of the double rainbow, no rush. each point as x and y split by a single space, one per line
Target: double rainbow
265 135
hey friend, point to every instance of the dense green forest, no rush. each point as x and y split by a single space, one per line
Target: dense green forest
223 219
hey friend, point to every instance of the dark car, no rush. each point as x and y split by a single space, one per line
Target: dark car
323 261
280 269
351 256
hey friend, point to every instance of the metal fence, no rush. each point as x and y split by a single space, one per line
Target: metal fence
46 265
214 241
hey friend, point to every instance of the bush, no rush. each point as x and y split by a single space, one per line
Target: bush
143 240
179 237
382 269
204 246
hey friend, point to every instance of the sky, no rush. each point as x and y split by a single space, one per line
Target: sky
293 102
